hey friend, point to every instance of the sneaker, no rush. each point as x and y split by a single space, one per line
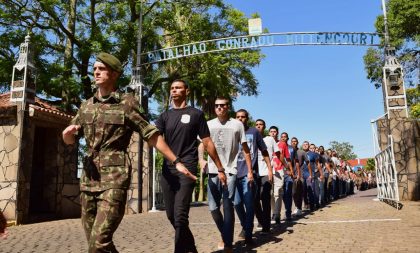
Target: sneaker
297 212
259 227
221 245
242 234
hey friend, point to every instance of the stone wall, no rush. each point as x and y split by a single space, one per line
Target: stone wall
9 152
68 189
133 191
406 137
25 168
133 205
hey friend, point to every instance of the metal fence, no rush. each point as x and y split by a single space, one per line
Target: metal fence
159 192
386 176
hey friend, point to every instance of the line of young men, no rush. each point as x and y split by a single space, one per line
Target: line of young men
259 166
313 178
107 121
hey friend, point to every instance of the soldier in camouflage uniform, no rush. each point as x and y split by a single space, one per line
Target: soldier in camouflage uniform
107 121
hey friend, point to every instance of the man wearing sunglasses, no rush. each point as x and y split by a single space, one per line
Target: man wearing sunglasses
227 134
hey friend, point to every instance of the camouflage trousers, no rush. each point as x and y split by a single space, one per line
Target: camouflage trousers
102 212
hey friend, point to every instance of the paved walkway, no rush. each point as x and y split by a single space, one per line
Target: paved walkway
355 224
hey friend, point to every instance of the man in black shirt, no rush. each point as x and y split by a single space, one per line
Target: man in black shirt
180 126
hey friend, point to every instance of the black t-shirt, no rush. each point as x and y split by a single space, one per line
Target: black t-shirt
180 128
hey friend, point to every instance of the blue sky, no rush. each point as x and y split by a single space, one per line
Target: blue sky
316 93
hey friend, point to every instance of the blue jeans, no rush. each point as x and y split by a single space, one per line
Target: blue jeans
308 186
287 196
215 192
321 191
244 204
316 189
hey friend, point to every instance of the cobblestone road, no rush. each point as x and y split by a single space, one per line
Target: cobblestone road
355 224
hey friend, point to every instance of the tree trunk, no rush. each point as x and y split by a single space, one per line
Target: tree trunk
68 57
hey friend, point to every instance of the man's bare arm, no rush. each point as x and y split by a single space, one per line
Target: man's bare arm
266 157
247 156
159 143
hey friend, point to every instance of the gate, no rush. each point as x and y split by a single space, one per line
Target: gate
386 172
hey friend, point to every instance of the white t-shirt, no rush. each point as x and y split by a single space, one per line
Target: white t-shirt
336 161
227 138
271 149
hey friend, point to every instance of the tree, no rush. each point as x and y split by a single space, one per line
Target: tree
404 32
370 164
67 34
413 101
343 149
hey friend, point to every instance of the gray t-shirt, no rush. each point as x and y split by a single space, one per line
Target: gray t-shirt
227 138
324 160
255 144
271 149
303 161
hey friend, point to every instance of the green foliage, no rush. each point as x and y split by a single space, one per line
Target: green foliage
370 164
373 66
112 26
404 30
413 101
343 149
159 161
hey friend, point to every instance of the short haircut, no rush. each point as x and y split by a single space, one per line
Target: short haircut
294 138
244 111
274 127
181 81
285 134
223 98
261 121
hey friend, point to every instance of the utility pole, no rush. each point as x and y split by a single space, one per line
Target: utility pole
137 86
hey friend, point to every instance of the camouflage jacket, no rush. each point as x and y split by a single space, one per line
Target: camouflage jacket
107 125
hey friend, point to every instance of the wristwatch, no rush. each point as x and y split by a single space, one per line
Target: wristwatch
177 160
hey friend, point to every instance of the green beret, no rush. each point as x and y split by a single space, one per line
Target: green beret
110 61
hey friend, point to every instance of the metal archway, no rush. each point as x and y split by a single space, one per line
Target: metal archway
262 40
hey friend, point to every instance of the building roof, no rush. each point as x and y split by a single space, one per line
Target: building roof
358 162
5 99
39 107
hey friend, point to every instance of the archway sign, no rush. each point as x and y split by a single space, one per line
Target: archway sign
263 40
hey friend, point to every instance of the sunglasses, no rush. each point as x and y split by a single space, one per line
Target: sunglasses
219 105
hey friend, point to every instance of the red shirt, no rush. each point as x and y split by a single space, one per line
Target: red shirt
285 151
